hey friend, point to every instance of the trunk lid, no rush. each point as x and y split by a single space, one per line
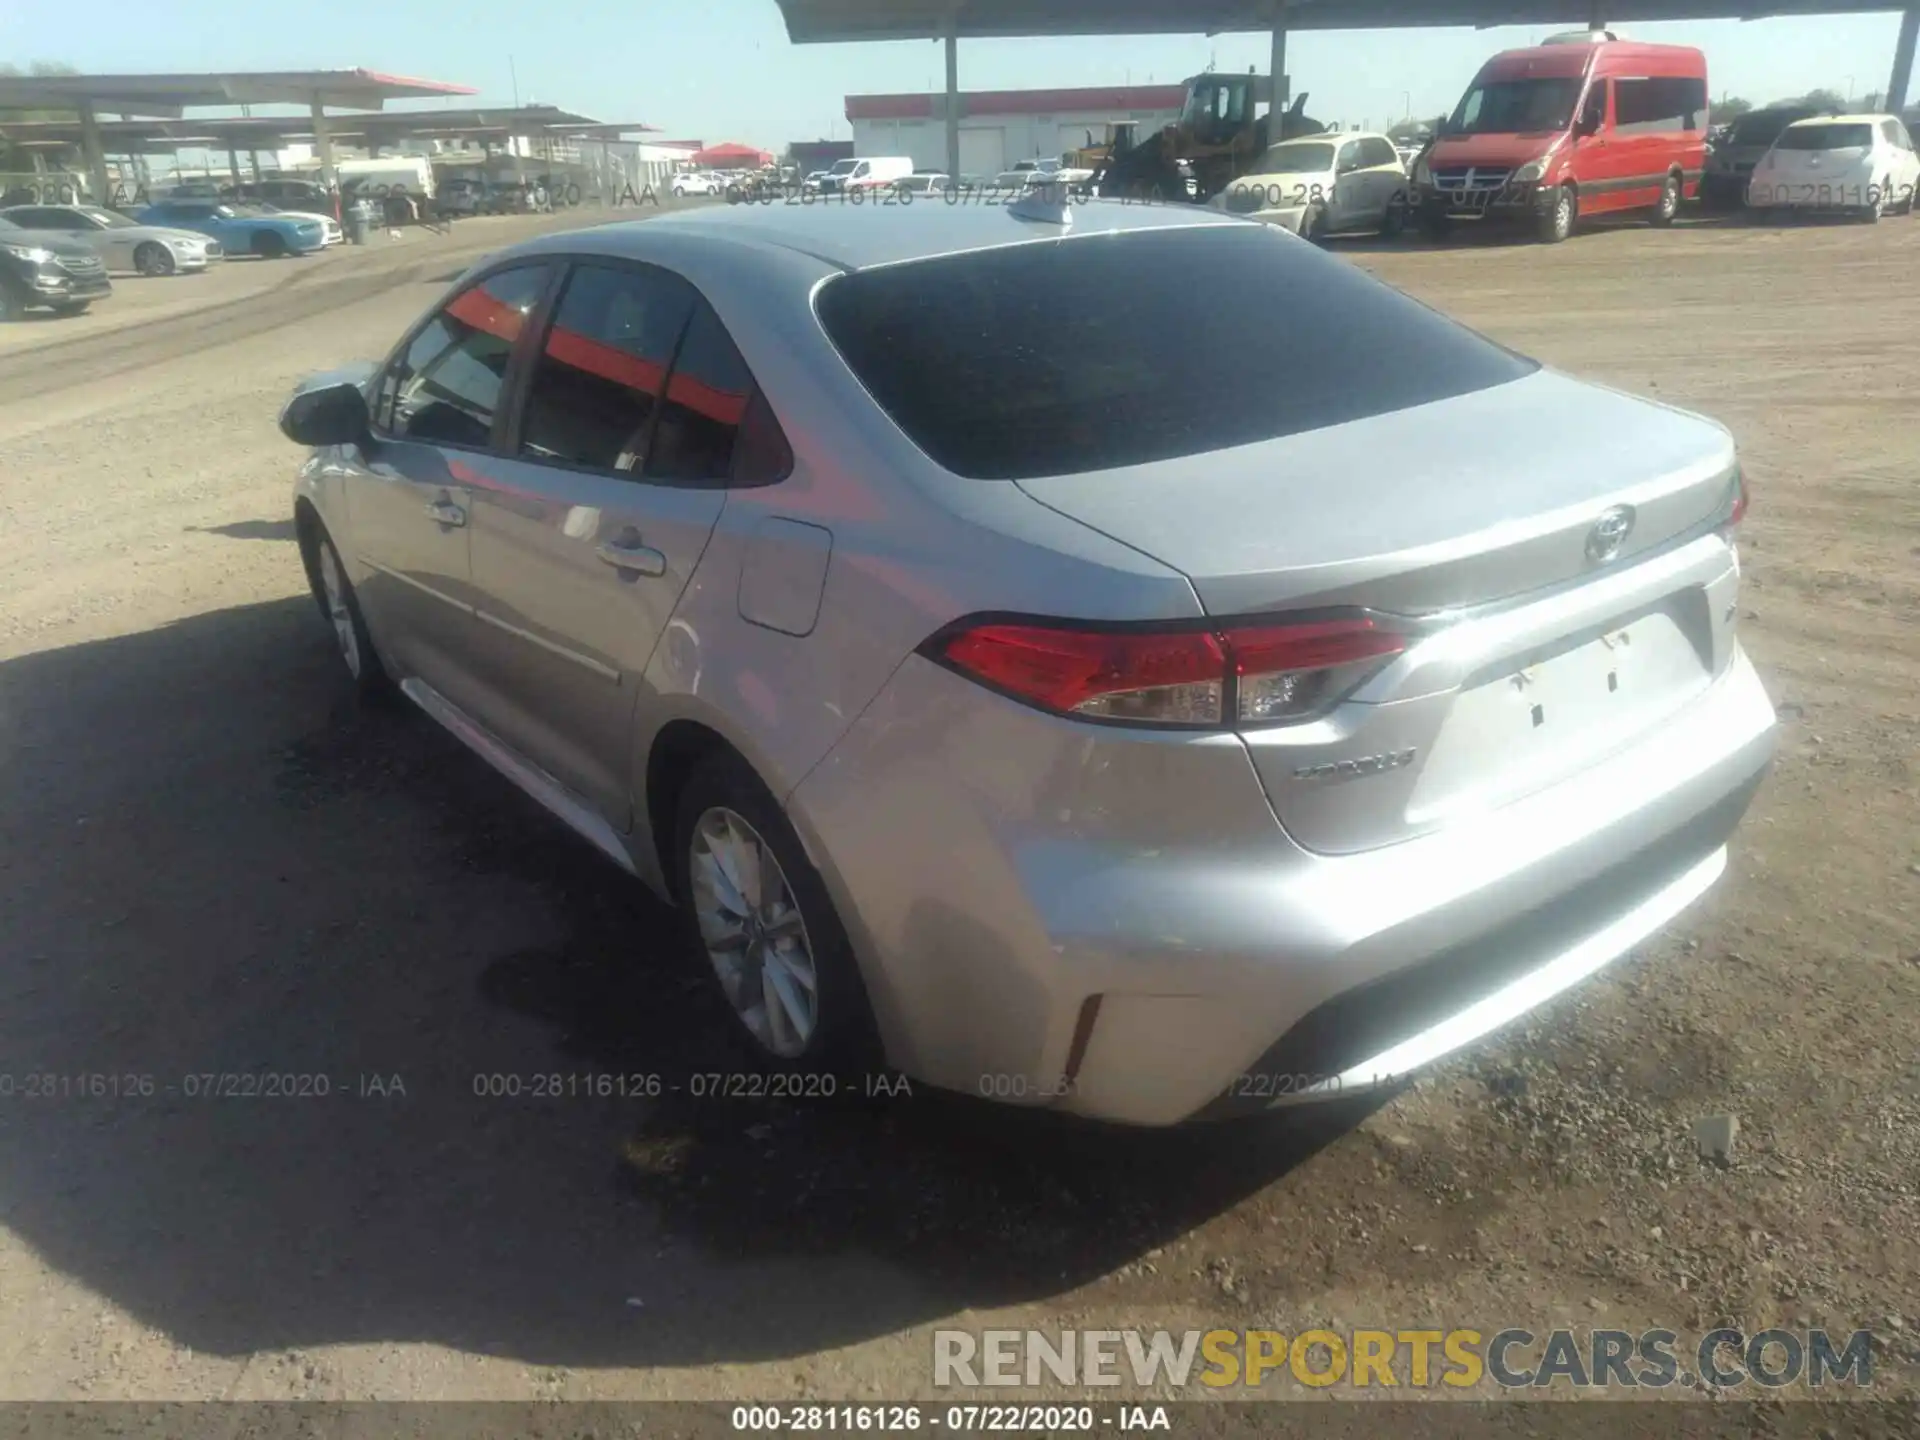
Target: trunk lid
1475 519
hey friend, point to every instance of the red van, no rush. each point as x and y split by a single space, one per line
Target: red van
1586 124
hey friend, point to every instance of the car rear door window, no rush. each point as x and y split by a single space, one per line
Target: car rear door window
1105 350
595 388
445 389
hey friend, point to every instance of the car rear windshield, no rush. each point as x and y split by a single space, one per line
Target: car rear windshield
1100 351
1297 159
1824 137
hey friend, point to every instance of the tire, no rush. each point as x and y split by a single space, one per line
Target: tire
152 258
1557 224
1314 228
269 246
1874 212
1435 224
1394 222
341 608
790 926
1668 209
12 307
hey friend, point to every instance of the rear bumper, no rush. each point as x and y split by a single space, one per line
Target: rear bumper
1119 927
1813 197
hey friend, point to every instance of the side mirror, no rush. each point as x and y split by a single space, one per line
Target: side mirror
328 415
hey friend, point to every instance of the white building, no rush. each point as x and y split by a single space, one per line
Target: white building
1000 128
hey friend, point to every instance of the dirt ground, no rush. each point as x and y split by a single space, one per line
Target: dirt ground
210 863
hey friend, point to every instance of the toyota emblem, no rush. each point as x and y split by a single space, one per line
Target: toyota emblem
1609 533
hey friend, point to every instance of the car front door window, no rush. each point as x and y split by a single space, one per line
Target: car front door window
445 389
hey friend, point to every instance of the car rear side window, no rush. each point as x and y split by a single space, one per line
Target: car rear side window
705 401
446 388
1662 104
1096 352
596 385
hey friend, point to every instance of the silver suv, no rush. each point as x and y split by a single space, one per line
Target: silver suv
1122 659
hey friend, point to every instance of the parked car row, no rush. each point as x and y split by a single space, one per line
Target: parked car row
1581 126
60 257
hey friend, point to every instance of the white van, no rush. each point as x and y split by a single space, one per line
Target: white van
873 172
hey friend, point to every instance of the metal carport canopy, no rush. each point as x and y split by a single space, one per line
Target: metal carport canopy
814 22
170 96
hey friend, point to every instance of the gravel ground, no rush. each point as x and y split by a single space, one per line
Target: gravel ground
210 863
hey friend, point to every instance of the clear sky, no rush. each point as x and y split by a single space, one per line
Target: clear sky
723 69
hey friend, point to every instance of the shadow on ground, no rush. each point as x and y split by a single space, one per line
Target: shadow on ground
295 971
250 530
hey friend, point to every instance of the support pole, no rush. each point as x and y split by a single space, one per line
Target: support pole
96 157
952 41
1896 100
1277 67
233 164
253 157
323 142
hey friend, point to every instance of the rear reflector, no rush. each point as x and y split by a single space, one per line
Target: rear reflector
1243 673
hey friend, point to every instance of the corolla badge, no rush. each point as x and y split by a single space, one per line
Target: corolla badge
1609 533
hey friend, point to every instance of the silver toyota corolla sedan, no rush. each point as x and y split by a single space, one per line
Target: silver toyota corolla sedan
1118 658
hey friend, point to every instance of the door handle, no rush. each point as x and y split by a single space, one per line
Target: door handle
637 558
445 512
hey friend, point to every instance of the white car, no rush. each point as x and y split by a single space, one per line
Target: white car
330 229
123 244
694 184
1863 165
1320 185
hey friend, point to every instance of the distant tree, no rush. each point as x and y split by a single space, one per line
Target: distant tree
1731 108
1872 100
1821 100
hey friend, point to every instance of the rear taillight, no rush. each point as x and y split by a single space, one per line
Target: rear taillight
1737 510
1239 673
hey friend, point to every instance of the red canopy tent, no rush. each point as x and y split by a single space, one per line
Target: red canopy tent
729 156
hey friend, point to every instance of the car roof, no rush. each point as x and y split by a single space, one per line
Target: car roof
853 237
1862 119
1336 136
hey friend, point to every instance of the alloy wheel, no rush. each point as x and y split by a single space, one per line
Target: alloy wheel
754 933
